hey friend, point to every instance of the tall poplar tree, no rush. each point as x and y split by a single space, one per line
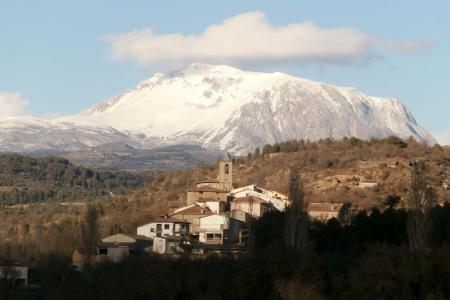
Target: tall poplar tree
420 200
297 219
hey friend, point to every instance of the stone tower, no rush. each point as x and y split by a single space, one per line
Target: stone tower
226 173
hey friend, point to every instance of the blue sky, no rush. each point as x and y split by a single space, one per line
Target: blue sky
56 55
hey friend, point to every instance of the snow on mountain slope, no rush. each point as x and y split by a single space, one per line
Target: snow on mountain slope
220 107
24 134
223 107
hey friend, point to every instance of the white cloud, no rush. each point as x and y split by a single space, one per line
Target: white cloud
248 38
12 104
414 47
443 137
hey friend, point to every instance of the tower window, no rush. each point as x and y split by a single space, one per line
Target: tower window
227 169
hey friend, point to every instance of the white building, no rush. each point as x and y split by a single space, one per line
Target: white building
168 244
217 206
192 214
164 227
254 206
278 200
324 211
219 229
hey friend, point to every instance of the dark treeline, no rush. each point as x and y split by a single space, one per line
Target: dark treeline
25 179
368 258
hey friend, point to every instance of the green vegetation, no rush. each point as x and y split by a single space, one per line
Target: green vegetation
298 145
28 180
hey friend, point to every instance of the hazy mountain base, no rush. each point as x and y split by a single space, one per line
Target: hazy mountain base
126 157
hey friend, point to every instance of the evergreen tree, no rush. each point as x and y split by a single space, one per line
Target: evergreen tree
90 233
297 219
419 203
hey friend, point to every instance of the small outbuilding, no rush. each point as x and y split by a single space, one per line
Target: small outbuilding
19 274
168 244
115 248
324 211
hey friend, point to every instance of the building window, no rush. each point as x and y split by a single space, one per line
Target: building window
218 236
209 236
166 226
103 251
152 229
227 169
158 227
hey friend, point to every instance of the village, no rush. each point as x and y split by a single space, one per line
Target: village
216 219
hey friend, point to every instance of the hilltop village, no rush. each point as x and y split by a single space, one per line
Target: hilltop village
216 219
218 230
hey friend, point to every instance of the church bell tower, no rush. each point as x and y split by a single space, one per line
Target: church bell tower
226 173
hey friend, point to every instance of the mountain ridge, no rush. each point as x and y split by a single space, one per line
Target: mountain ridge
218 107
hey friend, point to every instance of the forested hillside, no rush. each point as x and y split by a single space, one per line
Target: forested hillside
25 180
331 171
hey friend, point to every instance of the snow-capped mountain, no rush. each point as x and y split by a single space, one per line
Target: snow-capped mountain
218 107
27 134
